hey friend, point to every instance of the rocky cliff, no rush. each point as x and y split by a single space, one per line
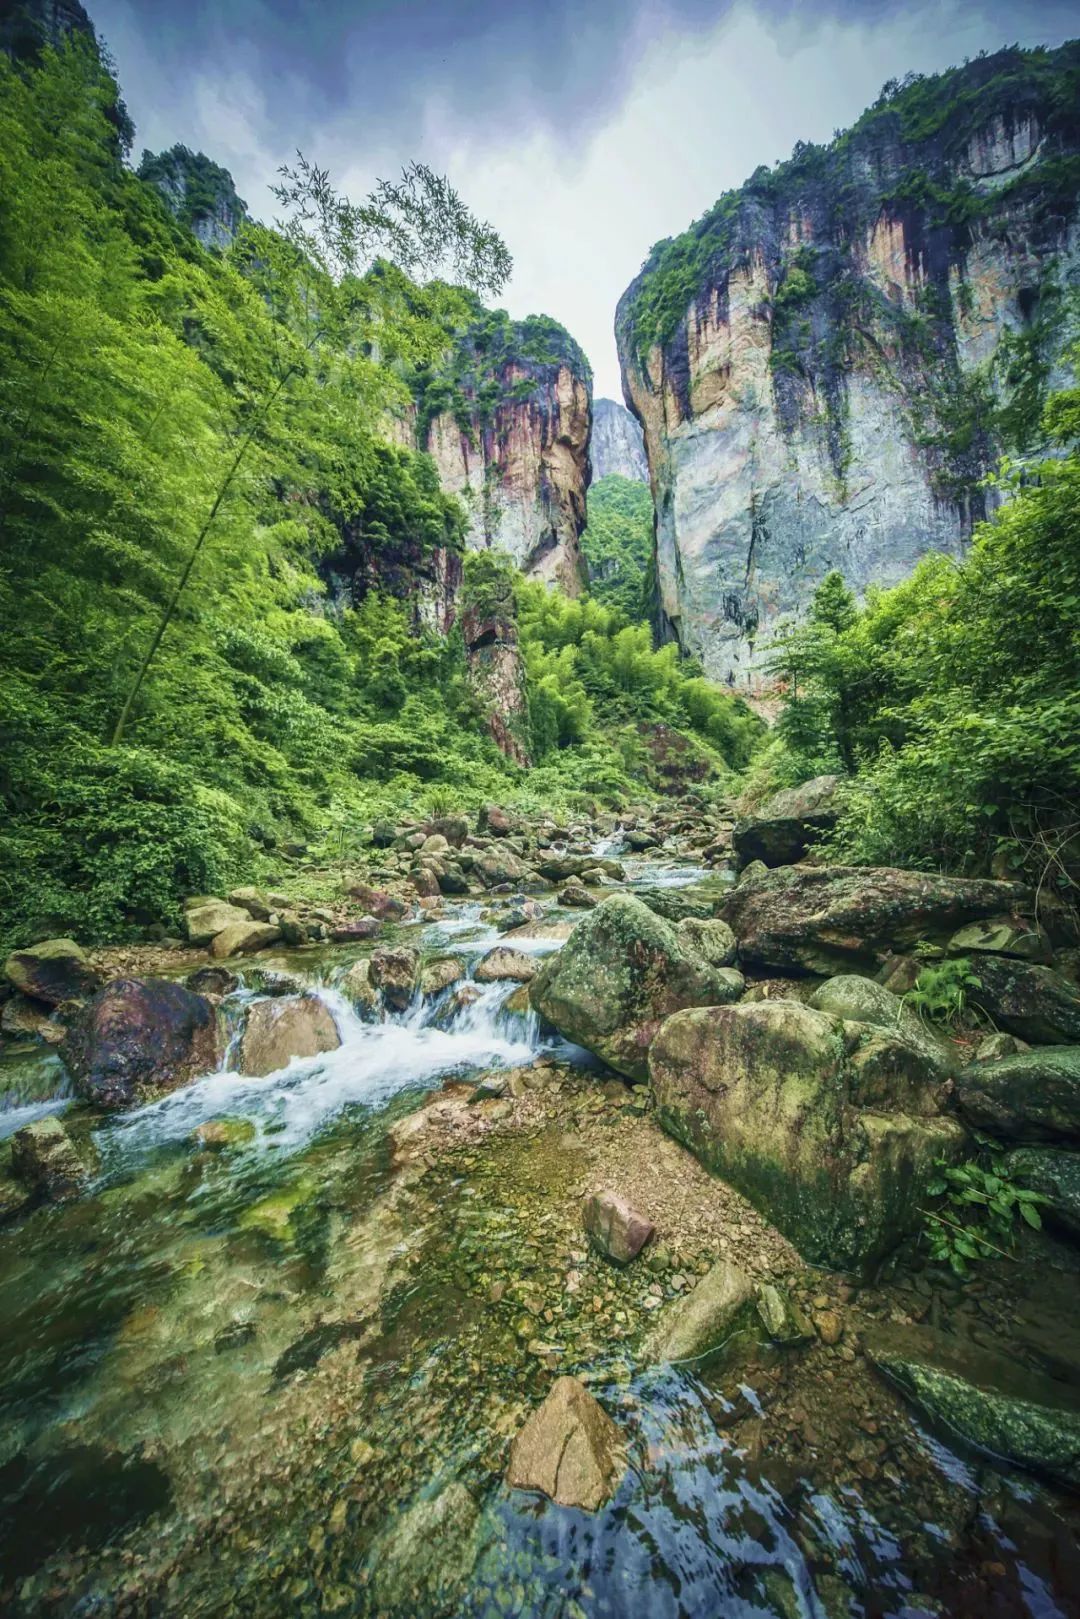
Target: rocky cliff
507 419
198 192
618 448
828 363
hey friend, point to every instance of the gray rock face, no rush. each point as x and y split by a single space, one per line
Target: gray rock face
792 426
618 445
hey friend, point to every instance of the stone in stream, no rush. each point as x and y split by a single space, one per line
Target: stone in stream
784 1322
500 823
204 919
615 1229
620 973
437 975
1031 1096
1055 1175
1036 1003
421 1563
243 938
788 824
378 903
44 1158
496 866
452 880
569 1449
54 971
141 1037
356 930
217 981
276 1031
577 897
254 902
223 1135
986 1398
394 970
704 1322
828 1127
502 963
830 919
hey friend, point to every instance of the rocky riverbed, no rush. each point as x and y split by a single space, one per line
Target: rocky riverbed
453 1216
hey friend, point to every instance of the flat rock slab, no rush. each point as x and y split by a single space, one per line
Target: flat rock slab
569 1449
614 1228
989 1400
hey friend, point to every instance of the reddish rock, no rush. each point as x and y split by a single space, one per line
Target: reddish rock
140 1037
613 1227
378 903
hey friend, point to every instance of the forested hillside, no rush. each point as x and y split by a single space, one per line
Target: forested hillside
192 450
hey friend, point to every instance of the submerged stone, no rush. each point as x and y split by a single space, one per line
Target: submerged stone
569 1449
503 963
44 1157
784 1322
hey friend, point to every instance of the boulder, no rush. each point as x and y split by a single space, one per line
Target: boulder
141 1037
425 882
357 988
900 974
383 834
1002 936
828 1127
439 974
1036 1003
1032 1096
831 919
44 1158
223 1135
494 866
279 1030
379 903
569 1449
205 919
356 931
394 971
713 941
217 981
620 973
254 902
678 904
1055 1175
614 1228
20 1017
454 828
639 838
782 1320
986 1398
751 873
788 824
862 1000
500 823
435 844
243 939
504 963
54 971
452 880
700 1324
577 897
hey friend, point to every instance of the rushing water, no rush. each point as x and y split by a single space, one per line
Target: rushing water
273 1381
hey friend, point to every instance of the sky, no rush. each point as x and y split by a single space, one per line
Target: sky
583 131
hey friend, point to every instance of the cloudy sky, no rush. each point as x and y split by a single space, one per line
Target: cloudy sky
584 131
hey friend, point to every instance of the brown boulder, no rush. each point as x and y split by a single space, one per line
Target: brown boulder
279 1030
569 1449
54 971
141 1037
614 1228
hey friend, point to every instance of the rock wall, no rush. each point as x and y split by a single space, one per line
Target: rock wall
828 363
508 422
618 447
198 192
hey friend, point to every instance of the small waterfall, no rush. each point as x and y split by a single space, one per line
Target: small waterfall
613 844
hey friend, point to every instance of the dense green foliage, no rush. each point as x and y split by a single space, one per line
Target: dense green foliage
618 544
953 700
977 1209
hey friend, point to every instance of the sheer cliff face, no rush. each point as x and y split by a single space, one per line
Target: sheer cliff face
617 445
828 363
523 474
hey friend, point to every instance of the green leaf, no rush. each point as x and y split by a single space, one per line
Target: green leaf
1031 1214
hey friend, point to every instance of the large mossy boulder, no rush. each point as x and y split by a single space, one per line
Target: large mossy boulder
788 824
1030 1096
54 971
139 1038
1055 1174
985 1398
277 1031
204 919
830 1128
622 971
861 1000
1034 1002
831 919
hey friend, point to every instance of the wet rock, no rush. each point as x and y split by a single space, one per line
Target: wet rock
788 824
830 919
377 902
243 939
504 963
621 972
356 931
421 1564
862 1000
452 880
1032 1096
394 971
1036 1003
569 1450
986 1398
204 919
44 1158
782 1319
217 981
615 1229
20 1017
1055 1175
223 1135
279 1030
439 974
54 971
254 902
1002 936
520 915
702 1323
294 931
577 897
141 1037
827 1127
496 866
713 940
